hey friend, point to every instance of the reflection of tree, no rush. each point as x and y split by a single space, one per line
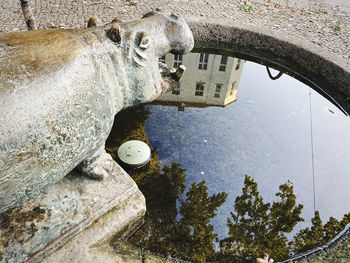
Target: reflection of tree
161 191
197 234
318 234
179 224
129 124
256 227
174 225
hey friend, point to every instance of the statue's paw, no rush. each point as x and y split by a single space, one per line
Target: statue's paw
99 167
107 162
97 173
103 167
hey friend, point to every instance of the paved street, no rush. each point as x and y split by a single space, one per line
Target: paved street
326 23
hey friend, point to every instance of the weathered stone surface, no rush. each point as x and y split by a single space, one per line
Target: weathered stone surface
60 90
65 209
93 245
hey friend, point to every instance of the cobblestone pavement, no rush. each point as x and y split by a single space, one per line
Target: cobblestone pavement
326 25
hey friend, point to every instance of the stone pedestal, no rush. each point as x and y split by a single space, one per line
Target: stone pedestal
72 221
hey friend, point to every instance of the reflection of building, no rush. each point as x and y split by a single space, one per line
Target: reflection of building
209 79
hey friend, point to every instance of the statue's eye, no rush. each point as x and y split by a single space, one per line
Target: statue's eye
144 41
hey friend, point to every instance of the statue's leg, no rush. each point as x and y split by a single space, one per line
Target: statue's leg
98 166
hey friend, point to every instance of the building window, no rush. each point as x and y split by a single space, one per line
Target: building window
162 59
217 90
199 89
177 60
238 64
233 87
223 63
176 91
203 61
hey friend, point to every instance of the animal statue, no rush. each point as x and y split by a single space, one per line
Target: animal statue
61 88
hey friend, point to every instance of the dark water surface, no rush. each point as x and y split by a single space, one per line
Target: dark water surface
239 170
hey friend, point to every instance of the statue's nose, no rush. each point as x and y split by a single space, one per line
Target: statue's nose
182 43
183 46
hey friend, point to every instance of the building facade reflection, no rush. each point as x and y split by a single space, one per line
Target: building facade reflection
209 80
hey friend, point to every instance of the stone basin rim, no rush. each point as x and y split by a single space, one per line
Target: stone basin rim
297 57
327 73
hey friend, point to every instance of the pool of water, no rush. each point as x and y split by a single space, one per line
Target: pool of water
241 165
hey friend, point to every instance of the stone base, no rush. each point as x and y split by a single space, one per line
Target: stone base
72 221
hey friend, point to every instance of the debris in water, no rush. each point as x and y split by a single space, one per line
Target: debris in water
265 259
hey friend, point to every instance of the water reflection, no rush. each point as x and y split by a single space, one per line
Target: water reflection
210 80
318 234
201 206
175 224
257 227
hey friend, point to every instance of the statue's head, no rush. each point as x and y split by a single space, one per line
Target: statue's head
178 37
142 42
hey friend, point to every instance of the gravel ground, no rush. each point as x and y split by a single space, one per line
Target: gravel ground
326 25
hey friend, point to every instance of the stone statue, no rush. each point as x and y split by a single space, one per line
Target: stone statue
60 90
